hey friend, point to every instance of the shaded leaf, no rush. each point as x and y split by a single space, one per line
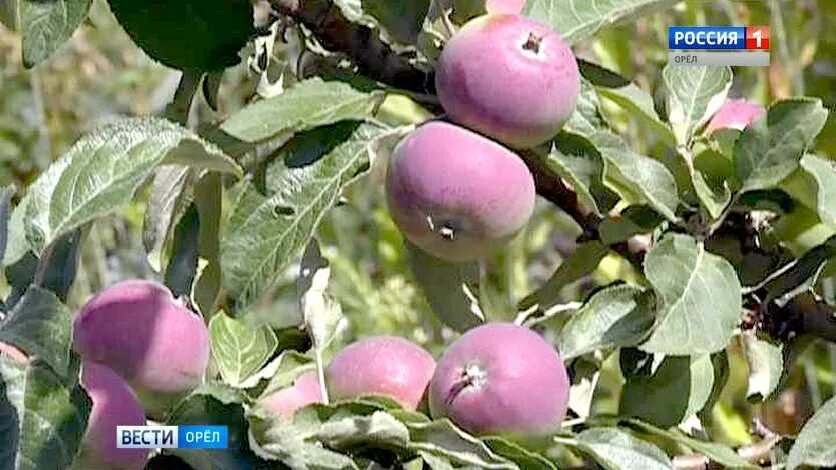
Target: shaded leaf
525 458
770 148
617 316
814 185
442 438
43 420
678 389
215 30
40 325
402 20
577 161
448 287
172 190
699 296
215 404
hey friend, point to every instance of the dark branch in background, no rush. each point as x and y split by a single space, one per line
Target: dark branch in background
805 314
373 58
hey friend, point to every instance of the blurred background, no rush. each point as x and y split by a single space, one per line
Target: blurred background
100 75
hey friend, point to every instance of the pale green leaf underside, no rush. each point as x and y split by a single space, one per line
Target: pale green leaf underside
615 449
101 172
42 421
700 298
47 24
240 348
694 95
576 20
814 445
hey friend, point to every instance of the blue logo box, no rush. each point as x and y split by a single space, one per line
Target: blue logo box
202 437
706 37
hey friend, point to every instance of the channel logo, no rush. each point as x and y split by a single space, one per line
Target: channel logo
172 437
749 38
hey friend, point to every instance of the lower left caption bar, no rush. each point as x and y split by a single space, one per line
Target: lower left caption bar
172 437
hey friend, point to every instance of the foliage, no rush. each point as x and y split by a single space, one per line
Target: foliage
685 277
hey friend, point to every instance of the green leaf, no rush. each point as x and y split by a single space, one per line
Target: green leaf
814 185
814 445
16 245
448 287
526 459
402 20
47 24
6 194
266 231
694 95
276 439
799 275
582 262
43 420
215 404
699 296
617 316
579 19
615 449
102 171
766 364
769 149
720 453
634 220
182 267
172 191
40 325
443 439
240 349
678 389
378 430
576 160
711 175
628 96
9 15
192 35
309 104
636 178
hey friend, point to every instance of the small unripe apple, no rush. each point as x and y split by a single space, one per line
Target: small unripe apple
304 391
508 77
735 114
501 378
504 6
138 329
457 195
382 365
114 404
13 353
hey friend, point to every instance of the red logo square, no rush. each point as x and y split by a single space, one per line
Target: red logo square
757 37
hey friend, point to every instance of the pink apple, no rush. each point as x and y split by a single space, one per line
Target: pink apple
304 391
501 378
457 195
138 329
735 114
114 404
381 365
508 77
